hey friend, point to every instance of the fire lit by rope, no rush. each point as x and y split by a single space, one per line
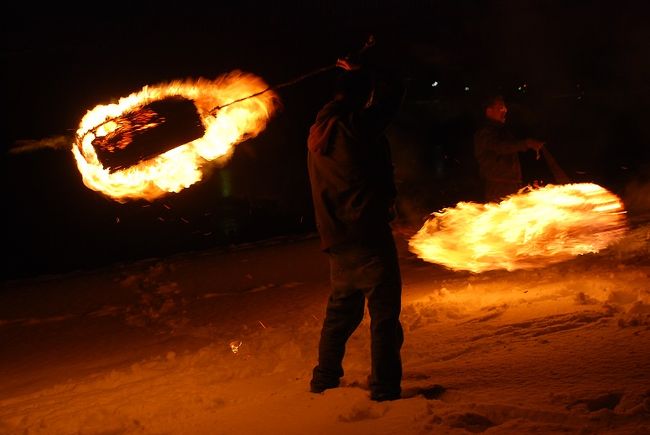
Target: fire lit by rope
526 230
184 165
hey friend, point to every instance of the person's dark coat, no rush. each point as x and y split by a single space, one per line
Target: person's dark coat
497 153
351 171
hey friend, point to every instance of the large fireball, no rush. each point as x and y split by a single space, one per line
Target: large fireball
184 165
526 230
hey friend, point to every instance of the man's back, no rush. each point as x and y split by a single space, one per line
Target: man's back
351 171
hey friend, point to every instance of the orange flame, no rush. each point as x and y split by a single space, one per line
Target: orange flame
184 165
526 230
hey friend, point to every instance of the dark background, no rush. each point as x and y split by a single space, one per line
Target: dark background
575 74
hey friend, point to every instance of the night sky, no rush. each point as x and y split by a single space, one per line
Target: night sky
575 74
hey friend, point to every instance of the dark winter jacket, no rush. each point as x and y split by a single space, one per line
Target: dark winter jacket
351 171
497 153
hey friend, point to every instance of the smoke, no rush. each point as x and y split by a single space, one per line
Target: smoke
53 142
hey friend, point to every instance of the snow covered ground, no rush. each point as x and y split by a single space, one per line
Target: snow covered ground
223 342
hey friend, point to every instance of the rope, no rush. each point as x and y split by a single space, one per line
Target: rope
558 173
370 42
281 85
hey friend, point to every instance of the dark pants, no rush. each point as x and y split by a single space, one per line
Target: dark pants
360 272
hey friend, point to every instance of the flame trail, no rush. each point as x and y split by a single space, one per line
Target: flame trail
526 230
184 165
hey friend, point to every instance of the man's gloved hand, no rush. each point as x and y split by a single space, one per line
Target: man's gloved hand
534 144
347 65
354 60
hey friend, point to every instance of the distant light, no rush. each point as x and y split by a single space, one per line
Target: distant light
466 88
434 84
519 88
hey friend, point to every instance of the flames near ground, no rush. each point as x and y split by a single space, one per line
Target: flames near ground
527 230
